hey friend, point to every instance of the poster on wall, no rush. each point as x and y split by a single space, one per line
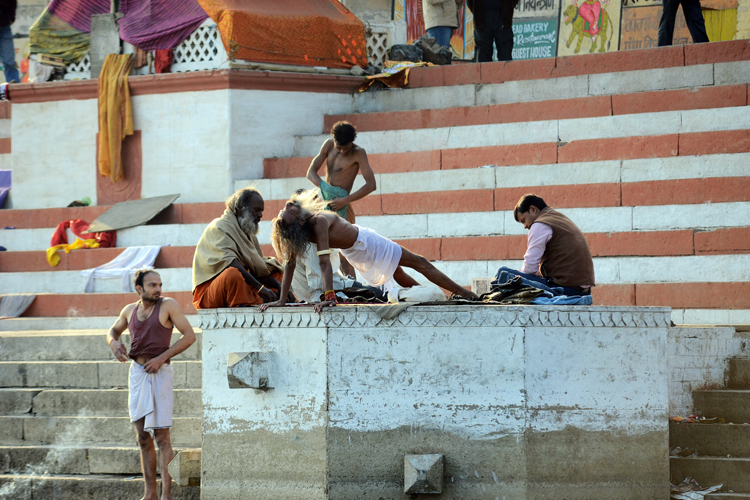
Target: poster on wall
640 28
536 8
534 38
589 26
462 41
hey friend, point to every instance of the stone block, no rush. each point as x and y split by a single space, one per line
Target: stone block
48 459
11 430
423 474
651 79
185 468
250 370
16 402
114 460
728 73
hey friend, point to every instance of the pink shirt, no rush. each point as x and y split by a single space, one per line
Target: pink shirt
539 235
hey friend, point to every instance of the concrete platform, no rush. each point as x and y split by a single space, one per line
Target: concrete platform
733 473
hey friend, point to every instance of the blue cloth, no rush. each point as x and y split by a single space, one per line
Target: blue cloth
8 55
328 192
5 176
506 273
442 34
564 300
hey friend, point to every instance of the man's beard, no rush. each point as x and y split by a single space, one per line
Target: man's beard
248 225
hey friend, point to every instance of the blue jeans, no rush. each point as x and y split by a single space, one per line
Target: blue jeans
505 273
442 34
8 54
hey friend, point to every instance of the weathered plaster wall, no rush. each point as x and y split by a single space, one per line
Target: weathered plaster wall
193 143
263 124
520 400
54 152
697 359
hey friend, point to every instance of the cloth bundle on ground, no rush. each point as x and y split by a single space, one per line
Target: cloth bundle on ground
63 28
514 291
106 239
123 266
549 295
304 32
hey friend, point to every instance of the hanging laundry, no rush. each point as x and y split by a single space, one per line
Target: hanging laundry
115 114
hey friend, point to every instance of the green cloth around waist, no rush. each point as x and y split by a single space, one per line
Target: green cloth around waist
329 192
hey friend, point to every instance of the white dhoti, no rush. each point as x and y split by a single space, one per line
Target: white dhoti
151 396
375 257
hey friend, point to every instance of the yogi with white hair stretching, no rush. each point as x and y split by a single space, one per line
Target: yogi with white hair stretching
379 260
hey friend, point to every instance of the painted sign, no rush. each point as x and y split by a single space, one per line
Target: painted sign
589 26
536 8
534 38
640 28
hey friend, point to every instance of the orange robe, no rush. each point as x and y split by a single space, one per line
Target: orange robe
228 289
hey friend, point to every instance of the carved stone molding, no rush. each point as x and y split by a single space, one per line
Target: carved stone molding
440 316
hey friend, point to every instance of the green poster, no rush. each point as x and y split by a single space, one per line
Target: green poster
534 38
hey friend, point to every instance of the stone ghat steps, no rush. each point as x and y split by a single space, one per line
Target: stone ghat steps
75 487
739 374
733 473
717 440
87 374
79 459
630 101
728 496
543 79
32 431
732 405
71 324
43 402
73 345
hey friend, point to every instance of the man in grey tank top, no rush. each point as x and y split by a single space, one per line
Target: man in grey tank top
150 322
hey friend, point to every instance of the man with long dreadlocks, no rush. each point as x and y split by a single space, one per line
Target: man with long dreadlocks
379 260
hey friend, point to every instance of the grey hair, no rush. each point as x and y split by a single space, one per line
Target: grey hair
239 200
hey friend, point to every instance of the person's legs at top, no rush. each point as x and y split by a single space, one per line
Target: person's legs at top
148 460
483 43
504 43
8 55
166 454
442 34
424 267
666 23
694 19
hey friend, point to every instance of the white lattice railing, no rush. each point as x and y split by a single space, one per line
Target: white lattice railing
377 44
202 50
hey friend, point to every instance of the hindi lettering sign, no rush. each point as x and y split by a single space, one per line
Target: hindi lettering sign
536 8
534 38
640 28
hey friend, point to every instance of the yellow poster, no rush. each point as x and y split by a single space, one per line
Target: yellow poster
588 26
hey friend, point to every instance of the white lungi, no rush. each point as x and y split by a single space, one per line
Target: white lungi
375 257
151 396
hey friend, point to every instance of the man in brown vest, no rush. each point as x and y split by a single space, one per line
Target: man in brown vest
150 321
557 254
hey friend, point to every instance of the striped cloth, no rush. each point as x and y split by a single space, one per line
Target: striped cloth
147 24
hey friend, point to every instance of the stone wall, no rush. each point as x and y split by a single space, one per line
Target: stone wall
523 402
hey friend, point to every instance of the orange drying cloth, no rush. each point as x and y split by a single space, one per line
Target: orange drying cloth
228 289
115 114
304 32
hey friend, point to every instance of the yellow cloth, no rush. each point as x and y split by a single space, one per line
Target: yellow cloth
221 243
395 74
115 114
53 259
721 25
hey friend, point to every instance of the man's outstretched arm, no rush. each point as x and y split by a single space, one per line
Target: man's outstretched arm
286 285
113 335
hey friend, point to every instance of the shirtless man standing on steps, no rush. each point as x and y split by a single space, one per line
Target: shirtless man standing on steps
343 160
150 321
